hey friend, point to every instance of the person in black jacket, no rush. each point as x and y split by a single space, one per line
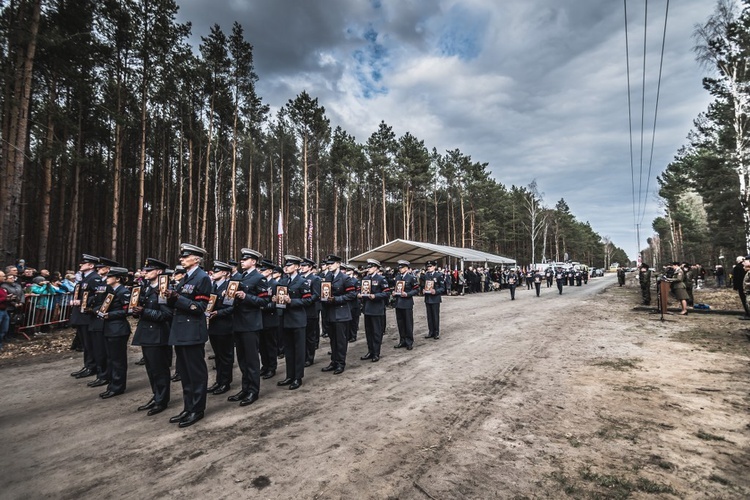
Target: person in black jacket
78 316
269 338
336 311
405 289
220 328
433 286
738 275
291 306
374 294
96 323
152 334
312 329
114 312
189 333
249 302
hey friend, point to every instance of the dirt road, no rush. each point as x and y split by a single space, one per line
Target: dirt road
572 394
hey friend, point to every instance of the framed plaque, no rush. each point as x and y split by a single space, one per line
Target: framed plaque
231 292
105 305
281 293
76 289
325 290
400 287
429 285
211 302
84 301
163 285
135 294
366 287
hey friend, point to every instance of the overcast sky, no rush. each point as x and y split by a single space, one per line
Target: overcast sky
535 88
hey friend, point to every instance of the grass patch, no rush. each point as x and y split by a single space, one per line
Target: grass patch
619 364
620 487
661 463
709 437
640 389
567 484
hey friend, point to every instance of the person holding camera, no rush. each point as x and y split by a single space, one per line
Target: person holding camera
677 279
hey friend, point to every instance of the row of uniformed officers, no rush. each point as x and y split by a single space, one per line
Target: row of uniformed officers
238 313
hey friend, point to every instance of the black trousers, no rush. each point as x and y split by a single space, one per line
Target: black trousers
191 365
560 286
374 328
512 289
158 361
247 344
117 361
99 351
743 299
433 319
354 324
279 341
646 294
405 322
294 352
223 346
549 282
538 287
269 348
312 338
88 347
337 333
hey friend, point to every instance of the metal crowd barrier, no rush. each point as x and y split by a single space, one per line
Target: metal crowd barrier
44 310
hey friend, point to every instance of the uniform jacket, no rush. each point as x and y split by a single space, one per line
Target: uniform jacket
270 314
381 290
189 322
313 281
247 315
95 301
343 290
355 305
86 285
116 324
295 313
155 319
439 286
221 322
411 287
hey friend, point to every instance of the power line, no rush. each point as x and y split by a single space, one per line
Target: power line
630 114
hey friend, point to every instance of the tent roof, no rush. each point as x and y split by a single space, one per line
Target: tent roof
418 252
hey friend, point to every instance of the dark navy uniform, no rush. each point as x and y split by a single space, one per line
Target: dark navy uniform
96 330
373 306
560 279
338 314
152 334
116 334
247 327
189 334
269 338
312 330
538 282
512 283
81 320
220 334
356 307
432 301
405 305
294 322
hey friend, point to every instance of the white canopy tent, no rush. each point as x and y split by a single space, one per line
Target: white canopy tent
417 252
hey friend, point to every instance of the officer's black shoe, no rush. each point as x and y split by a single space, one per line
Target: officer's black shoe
179 418
352 339
76 373
366 356
428 336
191 418
339 370
251 398
329 368
399 345
221 389
238 397
86 373
141 361
151 403
98 382
296 383
436 337
212 356
280 356
308 363
409 347
156 409
269 374
375 359
109 394
213 387
176 377
286 381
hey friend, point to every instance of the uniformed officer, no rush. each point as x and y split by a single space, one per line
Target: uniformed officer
189 333
152 334
249 302
433 286
644 277
96 323
312 330
220 332
538 282
78 316
560 279
276 275
336 311
323 322
292 311
114 313
269 338
571 277
678 286
549 274
512 283
404 291
235 273
355 305
373 306
621 275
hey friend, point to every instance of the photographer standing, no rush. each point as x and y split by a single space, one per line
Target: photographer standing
739 272
678 286
644 276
